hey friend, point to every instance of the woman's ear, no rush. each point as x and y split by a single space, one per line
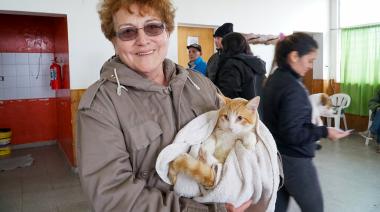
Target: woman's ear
293 56
113 41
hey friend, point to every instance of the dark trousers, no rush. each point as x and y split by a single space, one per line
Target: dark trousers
375 127
301 182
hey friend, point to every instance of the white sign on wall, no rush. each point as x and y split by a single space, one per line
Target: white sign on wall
192 40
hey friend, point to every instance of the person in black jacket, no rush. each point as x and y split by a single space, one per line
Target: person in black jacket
212 63
287 114
374 106
240 74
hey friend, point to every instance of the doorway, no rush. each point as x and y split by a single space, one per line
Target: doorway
38 113
195 34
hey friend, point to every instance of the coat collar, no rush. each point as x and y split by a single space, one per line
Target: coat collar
175 75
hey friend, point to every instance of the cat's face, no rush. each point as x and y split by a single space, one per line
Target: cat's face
238 115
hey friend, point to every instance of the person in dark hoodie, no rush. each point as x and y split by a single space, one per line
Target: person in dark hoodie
287 114
239 74
212 63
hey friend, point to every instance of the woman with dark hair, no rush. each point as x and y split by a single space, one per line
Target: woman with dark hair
287 114
240 74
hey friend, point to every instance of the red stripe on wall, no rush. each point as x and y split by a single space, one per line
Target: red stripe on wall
31 120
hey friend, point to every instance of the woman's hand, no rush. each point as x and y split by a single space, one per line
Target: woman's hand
335 134
241 208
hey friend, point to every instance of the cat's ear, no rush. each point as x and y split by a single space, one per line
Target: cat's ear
325 100
222 99
253 104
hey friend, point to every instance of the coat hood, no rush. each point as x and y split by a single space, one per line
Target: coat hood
116 71
256 64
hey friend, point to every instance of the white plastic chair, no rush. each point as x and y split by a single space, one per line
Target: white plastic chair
367 134
339 101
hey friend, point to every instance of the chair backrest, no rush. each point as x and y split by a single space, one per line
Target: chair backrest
340 100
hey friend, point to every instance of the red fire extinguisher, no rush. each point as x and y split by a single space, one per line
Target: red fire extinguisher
55 75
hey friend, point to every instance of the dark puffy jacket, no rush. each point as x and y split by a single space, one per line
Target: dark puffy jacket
287 114
374 103
212 66
241 75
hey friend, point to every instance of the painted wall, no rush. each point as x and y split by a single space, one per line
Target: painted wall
262 17
89 49
29 107
32 117
31 120
26 51
355 12
64 131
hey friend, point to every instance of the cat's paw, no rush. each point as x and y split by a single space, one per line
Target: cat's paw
202 155
240 141
249 141
209 181
175 167
172 173
206 157
249 145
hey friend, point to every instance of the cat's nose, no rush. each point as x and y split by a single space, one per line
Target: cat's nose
233 130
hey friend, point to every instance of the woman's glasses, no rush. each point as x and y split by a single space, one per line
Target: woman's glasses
128 33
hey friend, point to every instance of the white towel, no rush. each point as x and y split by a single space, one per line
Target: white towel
246 174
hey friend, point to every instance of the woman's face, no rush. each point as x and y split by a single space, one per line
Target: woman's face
302 64
144 54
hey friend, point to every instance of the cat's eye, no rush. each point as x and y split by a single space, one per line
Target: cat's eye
239 118
225 117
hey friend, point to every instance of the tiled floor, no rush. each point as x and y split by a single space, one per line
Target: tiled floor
349 172
47 185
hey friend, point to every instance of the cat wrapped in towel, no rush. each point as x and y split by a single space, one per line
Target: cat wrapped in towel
225 156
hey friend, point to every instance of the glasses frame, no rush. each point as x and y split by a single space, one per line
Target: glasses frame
136 30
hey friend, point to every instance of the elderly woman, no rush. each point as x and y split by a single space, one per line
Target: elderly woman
136 108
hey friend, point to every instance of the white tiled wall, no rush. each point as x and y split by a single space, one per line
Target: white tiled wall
26 76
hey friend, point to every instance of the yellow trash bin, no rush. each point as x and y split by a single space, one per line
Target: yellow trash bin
5 141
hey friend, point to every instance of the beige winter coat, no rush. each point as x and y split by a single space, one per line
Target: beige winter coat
122 129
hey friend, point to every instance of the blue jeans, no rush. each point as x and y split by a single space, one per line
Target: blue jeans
375 127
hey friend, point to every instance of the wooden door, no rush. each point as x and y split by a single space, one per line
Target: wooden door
205 39
308 81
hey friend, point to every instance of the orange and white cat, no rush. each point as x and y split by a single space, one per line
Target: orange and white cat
236 123
321 106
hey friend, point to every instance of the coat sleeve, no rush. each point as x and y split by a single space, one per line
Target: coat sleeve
374 103
106 172
294 123
259 78
212 66
229 80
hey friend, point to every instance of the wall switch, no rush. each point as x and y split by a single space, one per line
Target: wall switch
2 78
